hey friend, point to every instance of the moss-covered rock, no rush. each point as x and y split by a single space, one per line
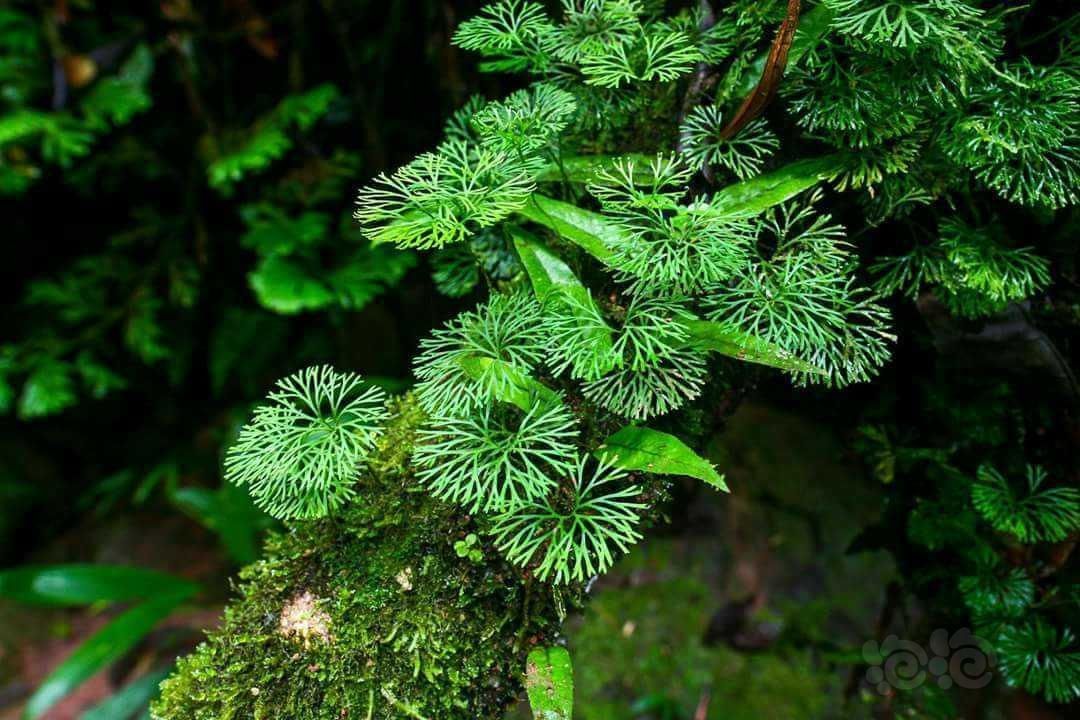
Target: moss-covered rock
370 614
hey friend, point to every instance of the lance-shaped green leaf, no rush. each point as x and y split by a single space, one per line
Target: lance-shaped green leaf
589 230
758 194
741 345
583 168
549 680
640 448
83 584
101 649
554 282
507 383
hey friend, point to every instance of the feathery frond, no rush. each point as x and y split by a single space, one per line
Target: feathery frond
497 457
570 539
1037 515
507 329
301 452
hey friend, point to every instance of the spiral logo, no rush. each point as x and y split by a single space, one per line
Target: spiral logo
962 659
895 664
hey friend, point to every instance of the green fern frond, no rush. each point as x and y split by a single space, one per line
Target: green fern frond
657 55
512 34
742 155
654 373
576 332
269 139
903 23
443 197
526 120
992 594
1018 135
301 452
572 539
802 298
593 28
1038 515
665 384
508 329
497 457
667 247
1041 659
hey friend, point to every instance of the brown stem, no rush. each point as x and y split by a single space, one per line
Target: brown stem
763 94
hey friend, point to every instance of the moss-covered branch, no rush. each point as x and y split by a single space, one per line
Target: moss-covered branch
370 614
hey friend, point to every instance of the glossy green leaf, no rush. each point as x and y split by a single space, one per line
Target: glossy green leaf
67 585
549 681
101 649
589 230
641 448
758 194
583 168
730 341
130 699
552 278
514 386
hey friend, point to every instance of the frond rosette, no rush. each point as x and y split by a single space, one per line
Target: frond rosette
300 454
464 364
579 531
498 456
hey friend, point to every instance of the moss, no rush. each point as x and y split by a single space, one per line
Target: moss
447 642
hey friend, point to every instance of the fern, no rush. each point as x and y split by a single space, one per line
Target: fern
1038 515
668 248
572 538
301 452
498 457
1018 135
444 197
1037 657
743 155
507 331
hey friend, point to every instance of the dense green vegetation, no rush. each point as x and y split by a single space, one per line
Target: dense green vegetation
864 211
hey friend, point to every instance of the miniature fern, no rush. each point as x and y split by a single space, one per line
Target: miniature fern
1037 515
507 330
572 538
443 197
498 457
1041 659
301 452
742 155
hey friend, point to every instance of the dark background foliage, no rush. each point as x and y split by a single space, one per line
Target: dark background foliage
195 346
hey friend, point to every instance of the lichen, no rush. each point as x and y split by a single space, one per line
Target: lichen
452 646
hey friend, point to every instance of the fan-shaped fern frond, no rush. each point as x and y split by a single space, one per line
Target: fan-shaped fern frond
300 453
576 332
570 539
592 28
667 247
526 120
513 34
903 23
1041 659
742 155
1039 515
654 373
1018 135
443 197
658 54
507 329
802 297
497 457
